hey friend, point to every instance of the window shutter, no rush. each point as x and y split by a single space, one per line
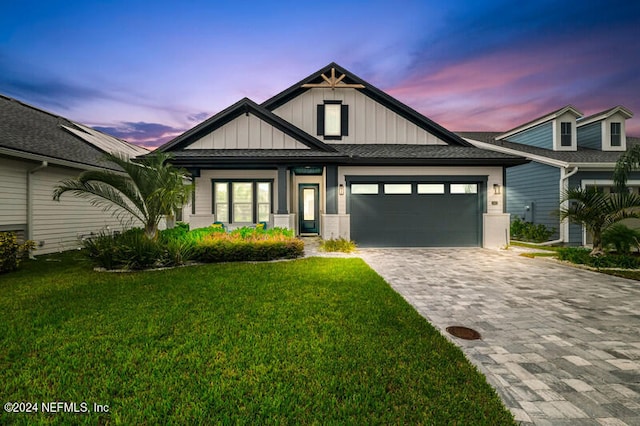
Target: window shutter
320 120
344 119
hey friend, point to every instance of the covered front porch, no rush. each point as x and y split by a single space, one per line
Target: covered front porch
300 197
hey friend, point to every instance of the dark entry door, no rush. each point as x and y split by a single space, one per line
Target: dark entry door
308 208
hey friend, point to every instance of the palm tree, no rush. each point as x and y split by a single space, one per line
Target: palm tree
596 211
627 162
149 189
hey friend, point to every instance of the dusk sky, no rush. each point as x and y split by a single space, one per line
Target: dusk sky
147 71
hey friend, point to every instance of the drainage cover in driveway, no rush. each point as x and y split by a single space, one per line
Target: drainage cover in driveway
463 332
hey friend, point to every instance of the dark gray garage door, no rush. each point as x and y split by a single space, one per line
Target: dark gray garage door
412 214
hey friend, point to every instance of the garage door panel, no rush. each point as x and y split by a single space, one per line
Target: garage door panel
416 220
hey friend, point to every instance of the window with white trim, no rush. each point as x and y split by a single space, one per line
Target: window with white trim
242 201
565 133
616 134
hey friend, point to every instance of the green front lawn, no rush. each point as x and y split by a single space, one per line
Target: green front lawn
318 340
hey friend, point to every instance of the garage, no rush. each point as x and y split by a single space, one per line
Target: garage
416 214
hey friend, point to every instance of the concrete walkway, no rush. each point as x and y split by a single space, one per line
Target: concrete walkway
561 345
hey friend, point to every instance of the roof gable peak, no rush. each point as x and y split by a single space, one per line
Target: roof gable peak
244 106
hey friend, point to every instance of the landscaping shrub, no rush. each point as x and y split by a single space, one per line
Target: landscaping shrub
249 244
621 237
582 256
102 250
136 251
11 253
527 231
133 250
338 244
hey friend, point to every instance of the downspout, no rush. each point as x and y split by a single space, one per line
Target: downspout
30 209
564 184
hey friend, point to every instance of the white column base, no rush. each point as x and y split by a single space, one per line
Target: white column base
496 230
335 226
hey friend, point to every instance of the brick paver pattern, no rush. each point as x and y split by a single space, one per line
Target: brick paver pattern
560 345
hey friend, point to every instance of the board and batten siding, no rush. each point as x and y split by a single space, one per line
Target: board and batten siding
540 136
590 136
13 193
544 194
369 121
247 132
61 224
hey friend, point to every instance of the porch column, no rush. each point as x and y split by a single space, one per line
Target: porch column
332 189
282 190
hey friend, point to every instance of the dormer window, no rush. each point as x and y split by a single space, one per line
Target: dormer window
565 133
616 134
333 120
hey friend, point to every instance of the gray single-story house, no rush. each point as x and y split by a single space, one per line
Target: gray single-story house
334 156
37 150
567 150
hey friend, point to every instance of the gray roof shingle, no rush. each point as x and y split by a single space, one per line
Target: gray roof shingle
30 130
582 155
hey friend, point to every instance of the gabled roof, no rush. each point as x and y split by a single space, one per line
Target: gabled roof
30 132
372 92
243 106
540 120
604 114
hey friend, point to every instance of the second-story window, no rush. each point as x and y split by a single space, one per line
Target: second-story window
333 120
565 133
616 134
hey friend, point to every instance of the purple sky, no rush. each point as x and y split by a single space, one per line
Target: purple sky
147 71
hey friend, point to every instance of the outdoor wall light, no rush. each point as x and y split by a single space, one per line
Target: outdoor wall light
341 189
496 188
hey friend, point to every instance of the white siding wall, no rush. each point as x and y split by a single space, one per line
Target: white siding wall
13 191
60 224
369 121
247 132
494 175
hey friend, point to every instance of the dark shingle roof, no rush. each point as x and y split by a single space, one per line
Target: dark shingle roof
29 130
378 154
582 155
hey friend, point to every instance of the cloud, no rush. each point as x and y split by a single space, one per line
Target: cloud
148 135
198 117
49 92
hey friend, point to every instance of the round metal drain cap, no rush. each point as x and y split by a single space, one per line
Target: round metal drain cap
463 332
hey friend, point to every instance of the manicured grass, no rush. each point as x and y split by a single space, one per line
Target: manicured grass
313 341
534 246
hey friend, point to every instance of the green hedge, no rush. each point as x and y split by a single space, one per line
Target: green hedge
132 250
582 256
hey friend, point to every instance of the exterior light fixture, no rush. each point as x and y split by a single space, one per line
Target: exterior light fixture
496 189
341 189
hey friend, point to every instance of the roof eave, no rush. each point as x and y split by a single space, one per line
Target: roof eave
504 150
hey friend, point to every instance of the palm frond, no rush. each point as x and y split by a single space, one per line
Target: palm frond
627 162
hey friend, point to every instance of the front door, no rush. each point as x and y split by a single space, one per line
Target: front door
308 208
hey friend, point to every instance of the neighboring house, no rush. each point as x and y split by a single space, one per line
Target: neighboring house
37 150
566 150
334 156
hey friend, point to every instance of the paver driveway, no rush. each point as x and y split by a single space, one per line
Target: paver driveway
561 345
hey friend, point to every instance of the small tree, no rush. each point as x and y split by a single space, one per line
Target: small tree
596 211
628 162
149 189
